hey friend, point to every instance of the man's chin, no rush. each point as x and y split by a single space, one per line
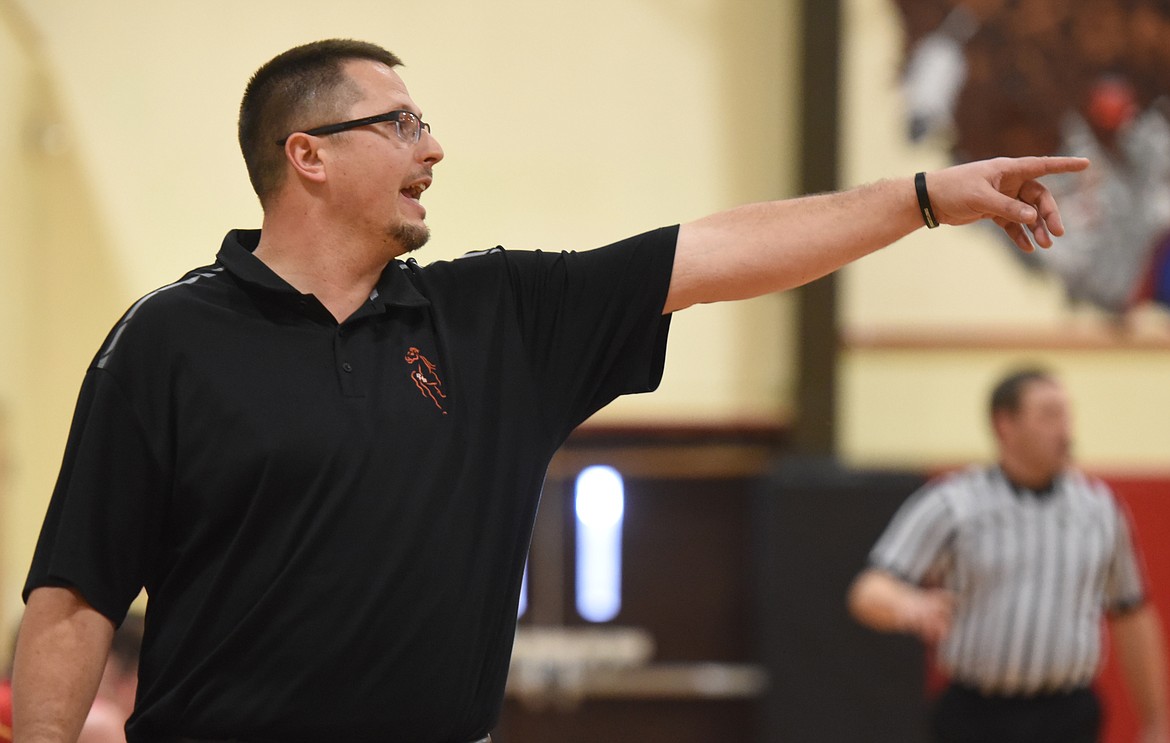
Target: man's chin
411 237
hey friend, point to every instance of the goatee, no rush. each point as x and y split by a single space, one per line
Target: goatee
410 236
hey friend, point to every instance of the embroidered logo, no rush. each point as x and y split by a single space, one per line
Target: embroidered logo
425 376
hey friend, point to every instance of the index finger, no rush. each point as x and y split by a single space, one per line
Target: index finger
1035 167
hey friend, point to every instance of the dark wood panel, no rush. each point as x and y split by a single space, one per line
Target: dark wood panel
686 567
612 721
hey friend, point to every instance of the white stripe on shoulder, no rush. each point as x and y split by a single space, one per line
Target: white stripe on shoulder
109 349
477 253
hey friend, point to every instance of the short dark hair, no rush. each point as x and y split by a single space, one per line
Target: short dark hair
292 91
1005 397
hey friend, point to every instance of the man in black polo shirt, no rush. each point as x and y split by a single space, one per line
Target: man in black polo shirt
323 462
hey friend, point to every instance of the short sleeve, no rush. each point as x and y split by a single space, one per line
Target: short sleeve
1124 586
592 321
96 534
918 538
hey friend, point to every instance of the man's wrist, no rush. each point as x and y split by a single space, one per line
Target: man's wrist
924 205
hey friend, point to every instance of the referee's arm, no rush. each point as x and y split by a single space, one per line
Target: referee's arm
1141 653
1137 633
884 602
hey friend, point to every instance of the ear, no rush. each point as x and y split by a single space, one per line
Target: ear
301 152
1000 420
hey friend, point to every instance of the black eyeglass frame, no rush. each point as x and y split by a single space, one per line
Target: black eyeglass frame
395 116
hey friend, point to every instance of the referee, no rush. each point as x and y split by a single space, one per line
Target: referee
1008 569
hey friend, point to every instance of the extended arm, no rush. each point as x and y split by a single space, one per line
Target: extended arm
1142 655
771 246
60 654
888 604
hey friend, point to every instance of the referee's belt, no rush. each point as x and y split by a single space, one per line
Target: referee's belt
1044 693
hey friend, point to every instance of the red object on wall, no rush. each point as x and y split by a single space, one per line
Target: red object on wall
1148 501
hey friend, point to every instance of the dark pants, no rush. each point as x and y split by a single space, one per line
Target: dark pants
964 715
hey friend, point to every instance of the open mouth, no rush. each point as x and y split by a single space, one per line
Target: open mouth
415 190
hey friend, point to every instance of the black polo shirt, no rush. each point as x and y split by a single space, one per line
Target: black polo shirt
331 521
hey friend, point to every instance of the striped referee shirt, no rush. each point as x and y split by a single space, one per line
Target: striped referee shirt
1032 573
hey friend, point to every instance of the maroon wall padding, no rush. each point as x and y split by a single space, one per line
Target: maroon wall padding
1147 498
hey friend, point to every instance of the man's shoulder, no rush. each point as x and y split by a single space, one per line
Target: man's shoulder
164 314
485 260
1088 488
1078 478
652 242
476 275
480 273
964 480
167 303
965 491
540 282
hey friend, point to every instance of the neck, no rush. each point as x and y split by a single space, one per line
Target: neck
1027 476
334 266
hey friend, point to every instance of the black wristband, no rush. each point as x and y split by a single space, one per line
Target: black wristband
924 201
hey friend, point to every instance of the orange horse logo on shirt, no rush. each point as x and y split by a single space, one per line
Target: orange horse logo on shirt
425 376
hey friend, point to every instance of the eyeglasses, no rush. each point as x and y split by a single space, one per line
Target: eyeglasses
408 125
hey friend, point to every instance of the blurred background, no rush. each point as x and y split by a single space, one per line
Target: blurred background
693 590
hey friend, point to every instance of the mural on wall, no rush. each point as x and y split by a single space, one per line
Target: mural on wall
1046 77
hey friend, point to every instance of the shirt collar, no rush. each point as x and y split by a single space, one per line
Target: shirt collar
1021 491
394 287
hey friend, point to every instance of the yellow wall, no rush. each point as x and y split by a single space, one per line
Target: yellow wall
929 409
566 125
58 293
15 330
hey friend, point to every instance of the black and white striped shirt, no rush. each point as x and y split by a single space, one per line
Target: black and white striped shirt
1032 574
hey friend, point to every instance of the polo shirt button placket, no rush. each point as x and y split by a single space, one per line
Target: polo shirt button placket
345 377
349 380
